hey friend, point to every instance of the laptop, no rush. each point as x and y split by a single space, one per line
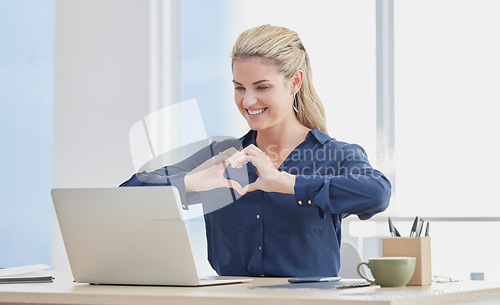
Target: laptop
128 236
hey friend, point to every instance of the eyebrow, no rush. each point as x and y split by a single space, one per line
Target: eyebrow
257 82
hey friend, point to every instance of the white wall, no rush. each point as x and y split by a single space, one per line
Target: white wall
102 87
340 39
447 74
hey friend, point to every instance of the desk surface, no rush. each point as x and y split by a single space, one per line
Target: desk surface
64 291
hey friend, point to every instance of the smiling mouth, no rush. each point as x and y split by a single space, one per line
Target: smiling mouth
255 112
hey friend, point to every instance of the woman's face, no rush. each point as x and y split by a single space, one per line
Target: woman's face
263 96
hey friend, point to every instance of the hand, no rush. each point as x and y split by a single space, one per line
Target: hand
270 179
210 174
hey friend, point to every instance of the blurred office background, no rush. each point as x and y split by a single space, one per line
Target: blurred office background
414 82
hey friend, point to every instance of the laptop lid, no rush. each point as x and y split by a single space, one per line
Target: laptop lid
128 235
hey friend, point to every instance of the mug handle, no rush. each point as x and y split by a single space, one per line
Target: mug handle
360 274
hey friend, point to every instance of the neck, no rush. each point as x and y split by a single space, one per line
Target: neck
277 142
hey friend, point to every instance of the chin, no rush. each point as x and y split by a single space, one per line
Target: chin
253 127
256 127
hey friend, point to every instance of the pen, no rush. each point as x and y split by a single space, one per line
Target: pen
397 232
391 228
427 229
312 279
420 227
414 227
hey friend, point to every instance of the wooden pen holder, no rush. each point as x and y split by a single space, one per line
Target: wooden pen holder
418 247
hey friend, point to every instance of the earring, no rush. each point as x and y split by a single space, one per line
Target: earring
293 103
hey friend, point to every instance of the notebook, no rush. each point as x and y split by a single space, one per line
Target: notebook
341 284
128 236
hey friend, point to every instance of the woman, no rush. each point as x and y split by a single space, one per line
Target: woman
297 182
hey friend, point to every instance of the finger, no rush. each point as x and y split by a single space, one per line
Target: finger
218 158
251 187
230 156
252 150
222 159
236 186
230 151
255 160
223 155
253 147
235 159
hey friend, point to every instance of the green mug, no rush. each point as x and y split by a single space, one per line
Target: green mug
390 271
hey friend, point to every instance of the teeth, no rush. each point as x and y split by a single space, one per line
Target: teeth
253 112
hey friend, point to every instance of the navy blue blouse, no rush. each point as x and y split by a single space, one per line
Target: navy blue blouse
274 234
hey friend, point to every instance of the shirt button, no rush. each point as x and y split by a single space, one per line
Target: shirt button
258 216
309 201
260 248
300 202
184 207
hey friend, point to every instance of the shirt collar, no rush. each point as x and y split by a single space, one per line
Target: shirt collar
249 138
319 135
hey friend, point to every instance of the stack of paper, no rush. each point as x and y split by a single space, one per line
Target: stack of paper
25 274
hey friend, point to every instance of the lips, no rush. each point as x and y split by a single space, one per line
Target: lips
253 113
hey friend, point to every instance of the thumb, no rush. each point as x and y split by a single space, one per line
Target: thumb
251 187
236 186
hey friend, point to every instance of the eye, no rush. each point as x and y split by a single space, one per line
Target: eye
262 87
239 88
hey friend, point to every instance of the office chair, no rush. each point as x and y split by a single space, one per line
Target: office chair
349 260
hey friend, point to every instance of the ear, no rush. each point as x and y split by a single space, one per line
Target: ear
296 79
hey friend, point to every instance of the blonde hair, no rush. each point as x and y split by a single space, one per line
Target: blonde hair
284 48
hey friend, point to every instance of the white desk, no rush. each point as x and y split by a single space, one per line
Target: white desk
64 291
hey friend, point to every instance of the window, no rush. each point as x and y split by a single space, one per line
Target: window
340 39
447 72
26 133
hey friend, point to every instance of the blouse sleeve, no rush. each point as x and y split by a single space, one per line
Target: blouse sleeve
174 175
356 188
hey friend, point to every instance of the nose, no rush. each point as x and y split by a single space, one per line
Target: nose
249 100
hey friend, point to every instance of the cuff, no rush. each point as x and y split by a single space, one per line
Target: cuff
178 181
306 189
